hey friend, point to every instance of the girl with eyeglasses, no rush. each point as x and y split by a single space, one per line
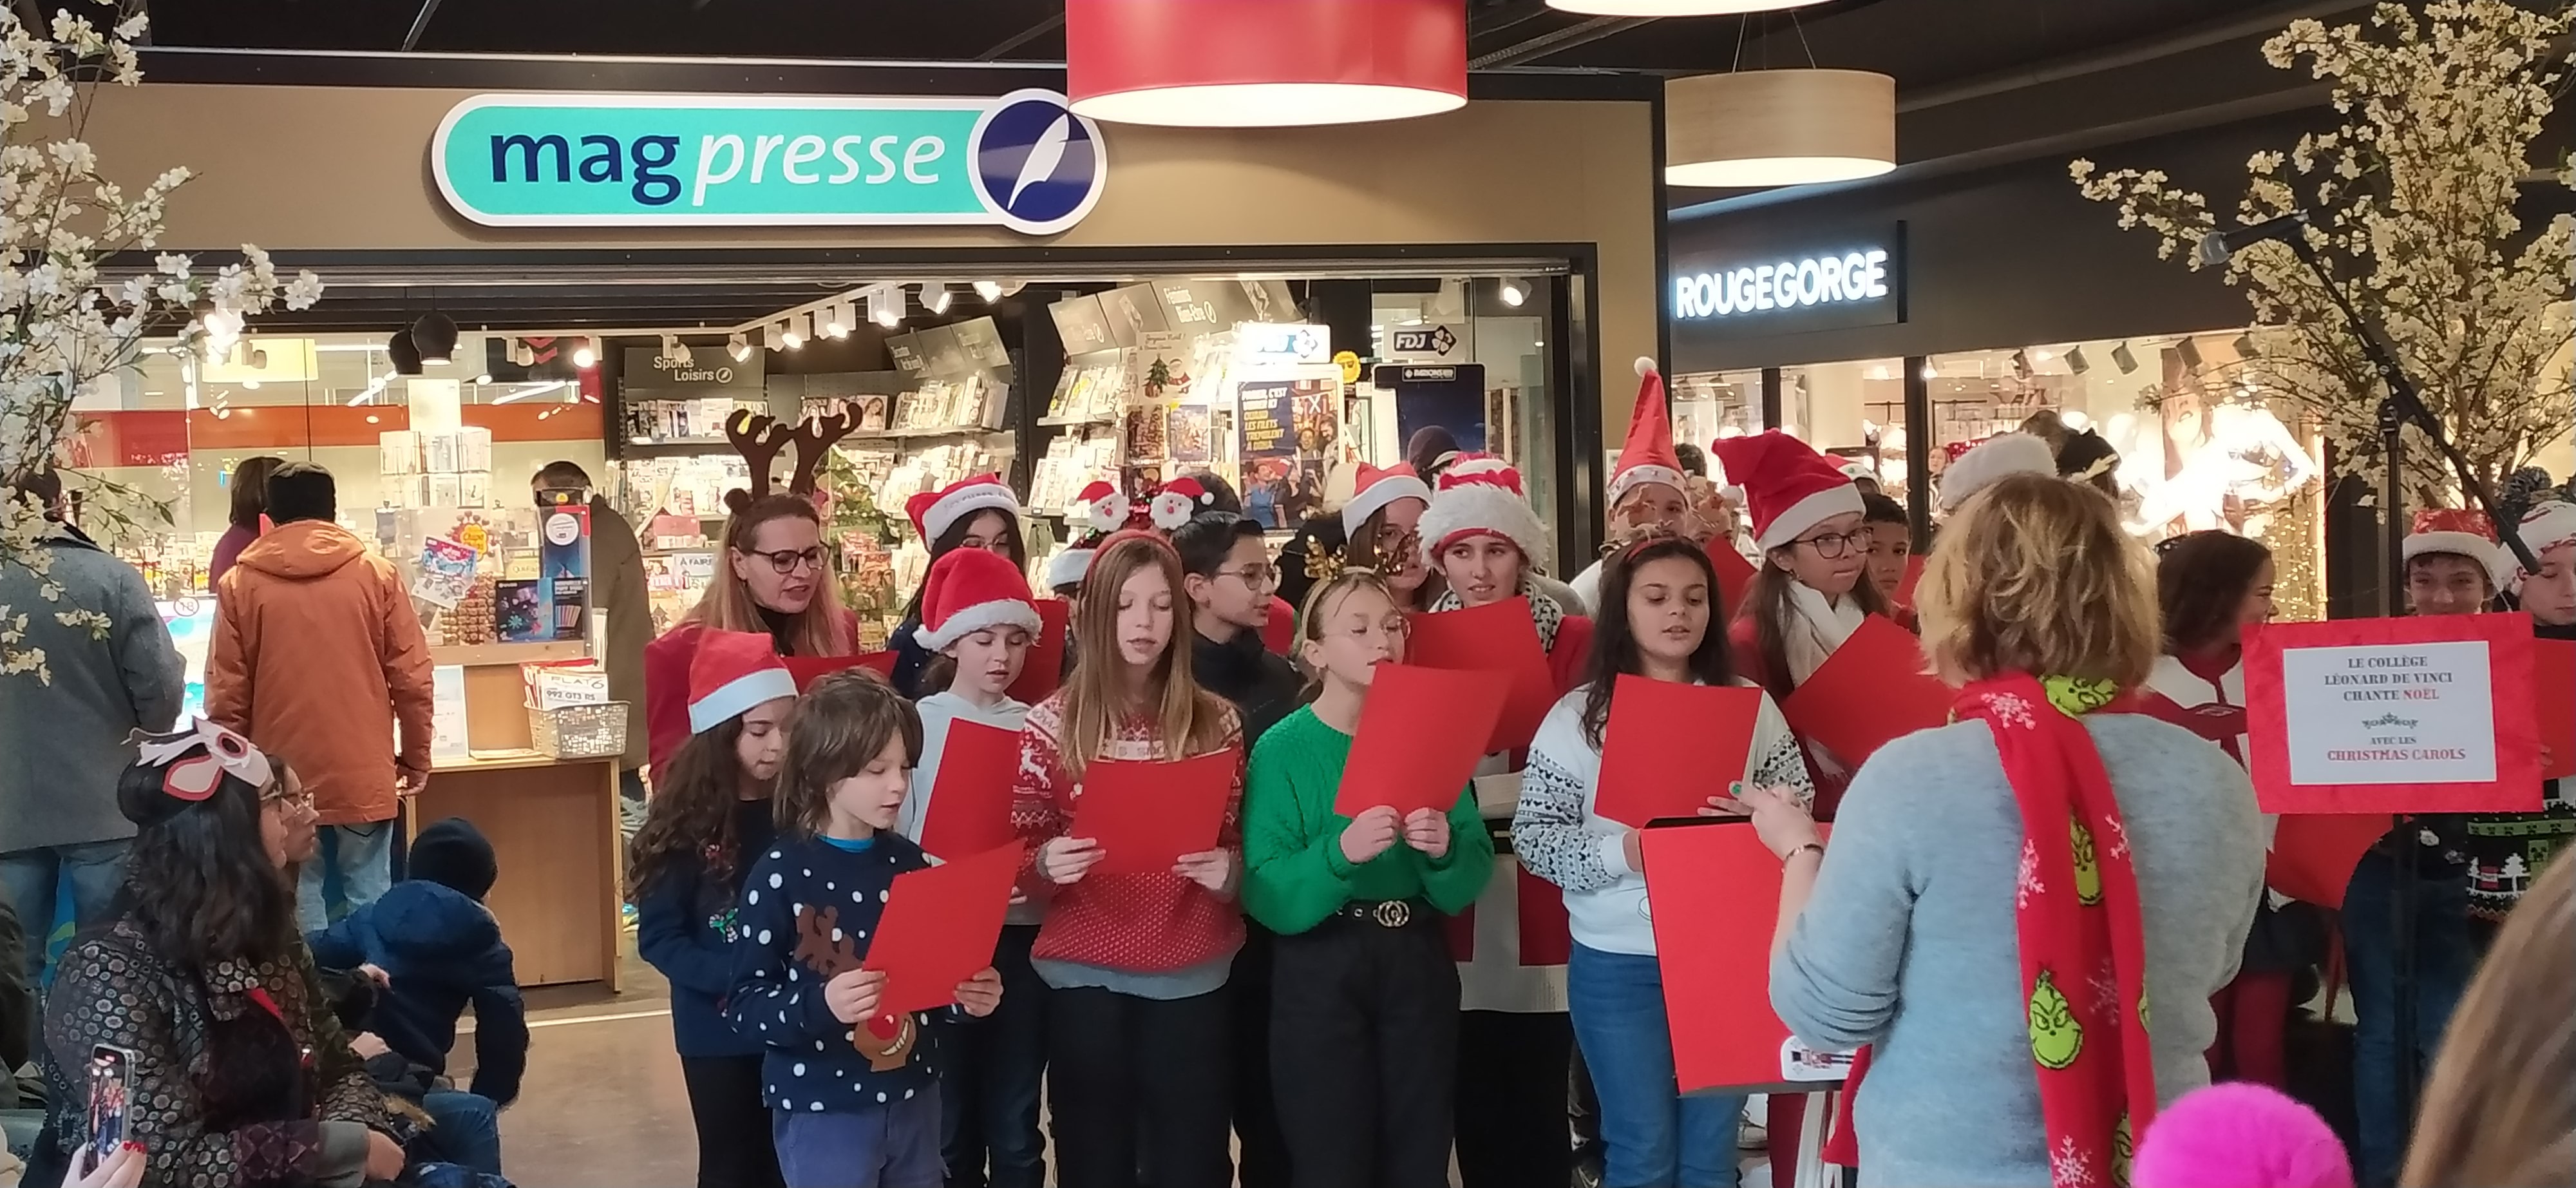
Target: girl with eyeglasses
775 579
972 513
1381 528
1515 1043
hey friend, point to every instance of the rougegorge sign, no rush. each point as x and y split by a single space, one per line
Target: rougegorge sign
1856 276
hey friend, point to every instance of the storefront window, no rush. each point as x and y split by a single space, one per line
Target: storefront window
1715 404
1854 412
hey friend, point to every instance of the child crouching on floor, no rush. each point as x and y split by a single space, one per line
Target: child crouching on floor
852 1091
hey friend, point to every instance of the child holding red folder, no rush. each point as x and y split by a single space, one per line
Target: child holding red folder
1364 1021
851 1089
1659 598
1515 1044
1138 1017
977 620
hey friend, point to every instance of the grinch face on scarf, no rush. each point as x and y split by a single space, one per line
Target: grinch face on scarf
2056 1039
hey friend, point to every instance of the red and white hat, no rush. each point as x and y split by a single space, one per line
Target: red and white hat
1378 487
2549 524
1072 561
1482 495
732 672
1100 507
1647 456
935 512
1788 487
2452 530
969 590
1987 462
1176 501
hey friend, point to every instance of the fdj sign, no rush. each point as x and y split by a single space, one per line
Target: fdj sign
1854 277
1022 161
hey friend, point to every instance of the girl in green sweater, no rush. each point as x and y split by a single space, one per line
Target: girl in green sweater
1364 1016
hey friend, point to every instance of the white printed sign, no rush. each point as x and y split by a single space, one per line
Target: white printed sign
2397 713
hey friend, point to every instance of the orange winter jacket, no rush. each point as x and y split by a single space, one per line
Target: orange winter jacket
317 657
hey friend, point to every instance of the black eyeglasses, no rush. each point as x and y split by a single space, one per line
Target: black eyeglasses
1832 546
791 560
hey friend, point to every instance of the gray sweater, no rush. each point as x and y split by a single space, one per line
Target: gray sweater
1909 941
63 745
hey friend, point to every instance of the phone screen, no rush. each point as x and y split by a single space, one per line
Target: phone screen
111 1086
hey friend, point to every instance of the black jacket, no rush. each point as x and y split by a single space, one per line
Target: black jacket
1263 686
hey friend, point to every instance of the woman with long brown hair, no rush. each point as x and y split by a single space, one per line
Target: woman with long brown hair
774 579
1139 1017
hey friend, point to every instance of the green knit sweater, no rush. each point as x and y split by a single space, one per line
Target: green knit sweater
1294 873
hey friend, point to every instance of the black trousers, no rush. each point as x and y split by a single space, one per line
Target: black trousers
1364 1037
1140 1082
1512 1126
1262 1149
990 1074
734 1147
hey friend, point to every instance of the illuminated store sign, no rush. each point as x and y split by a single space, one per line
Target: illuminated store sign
1860 275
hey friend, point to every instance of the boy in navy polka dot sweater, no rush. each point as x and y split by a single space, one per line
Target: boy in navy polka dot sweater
852 1090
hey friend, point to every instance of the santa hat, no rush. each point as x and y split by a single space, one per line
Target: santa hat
1482 495
2549 524
1176 501
732 672
935 512
2472 535
1100 507
1647 456
1788 487
1071 562
1378 487
1993 460
969 590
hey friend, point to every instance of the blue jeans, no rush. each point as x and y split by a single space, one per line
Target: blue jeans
465 1130
2445 956
32 879
355 866
891 1146
1651 1134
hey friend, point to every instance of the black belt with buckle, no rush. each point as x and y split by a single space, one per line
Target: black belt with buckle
1385 913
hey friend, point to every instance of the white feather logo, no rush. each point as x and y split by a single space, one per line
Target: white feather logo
1044 156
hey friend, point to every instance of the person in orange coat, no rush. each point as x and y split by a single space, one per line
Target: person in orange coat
318 657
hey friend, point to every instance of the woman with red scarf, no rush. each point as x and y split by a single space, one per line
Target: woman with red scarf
2023 914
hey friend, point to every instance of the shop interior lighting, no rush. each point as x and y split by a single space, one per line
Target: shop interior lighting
1674 8
1931 372
1279 63
738 345
259 359
585 356
885 308
250 385
790 334
836 321
484 380
680 351
2076 362
935 296
523 354
1779 127
773 336
2245 348
2190 353
2124 358
1514 291
435 334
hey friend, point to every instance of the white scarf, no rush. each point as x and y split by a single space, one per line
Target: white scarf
1815 628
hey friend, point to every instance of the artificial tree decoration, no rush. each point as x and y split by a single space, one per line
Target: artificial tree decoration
2411 200
64 323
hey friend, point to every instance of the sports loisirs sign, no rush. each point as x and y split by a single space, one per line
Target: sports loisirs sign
1022 161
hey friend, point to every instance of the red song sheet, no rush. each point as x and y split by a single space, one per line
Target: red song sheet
1913 577
1872 691
1146 815
2553 690
1044 668
2414 715
1421 732
2313 853
1734 576
1715 894
1668 747
809 669
939 928
1497 638
970 797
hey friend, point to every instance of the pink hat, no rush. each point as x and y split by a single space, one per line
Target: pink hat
1788 487
935 512
1482 495
732 672
969 590
1378 487
1647 456
2239 1133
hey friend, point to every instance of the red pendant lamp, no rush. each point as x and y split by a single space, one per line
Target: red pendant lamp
1264 63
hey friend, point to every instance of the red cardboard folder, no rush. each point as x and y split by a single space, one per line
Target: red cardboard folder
1044 668
1734 575
1913 577
1715 895
1146 815
1421 733
970 798
1668 747
1498 639
809 669
1873 690
939 928
2553 698
2379 723
2313 854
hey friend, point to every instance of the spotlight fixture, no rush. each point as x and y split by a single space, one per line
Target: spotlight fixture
2189 352
435 334
738 346
773 336
2124 358
792 335
406 356
2245 348
1930 372
523 353
2076 362
483 380
250 385
2021 364
989 290
584 355
680 352
836 321
935 296
1514 291
886 308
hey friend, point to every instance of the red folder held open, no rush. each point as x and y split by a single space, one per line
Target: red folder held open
1715 894
1147 815
1044 668
1421 733
939 928
970 797
1871 691
1497 639
1668 747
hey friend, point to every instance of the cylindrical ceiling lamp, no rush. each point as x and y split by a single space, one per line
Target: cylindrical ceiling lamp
1674 8
1264 63
1778 127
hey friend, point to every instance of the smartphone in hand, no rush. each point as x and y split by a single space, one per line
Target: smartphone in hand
111 1087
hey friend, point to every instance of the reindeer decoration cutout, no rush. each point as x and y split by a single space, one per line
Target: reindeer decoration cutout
887 1039
759 438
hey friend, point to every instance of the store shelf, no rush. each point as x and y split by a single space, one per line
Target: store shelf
676 449
1067 422
476 655
909 434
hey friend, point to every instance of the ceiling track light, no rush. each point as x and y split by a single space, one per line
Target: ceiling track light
935 296
1514 291
791 334
523 353
836 320
435 334
989 290
885 306
773 336
738 345
585 354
